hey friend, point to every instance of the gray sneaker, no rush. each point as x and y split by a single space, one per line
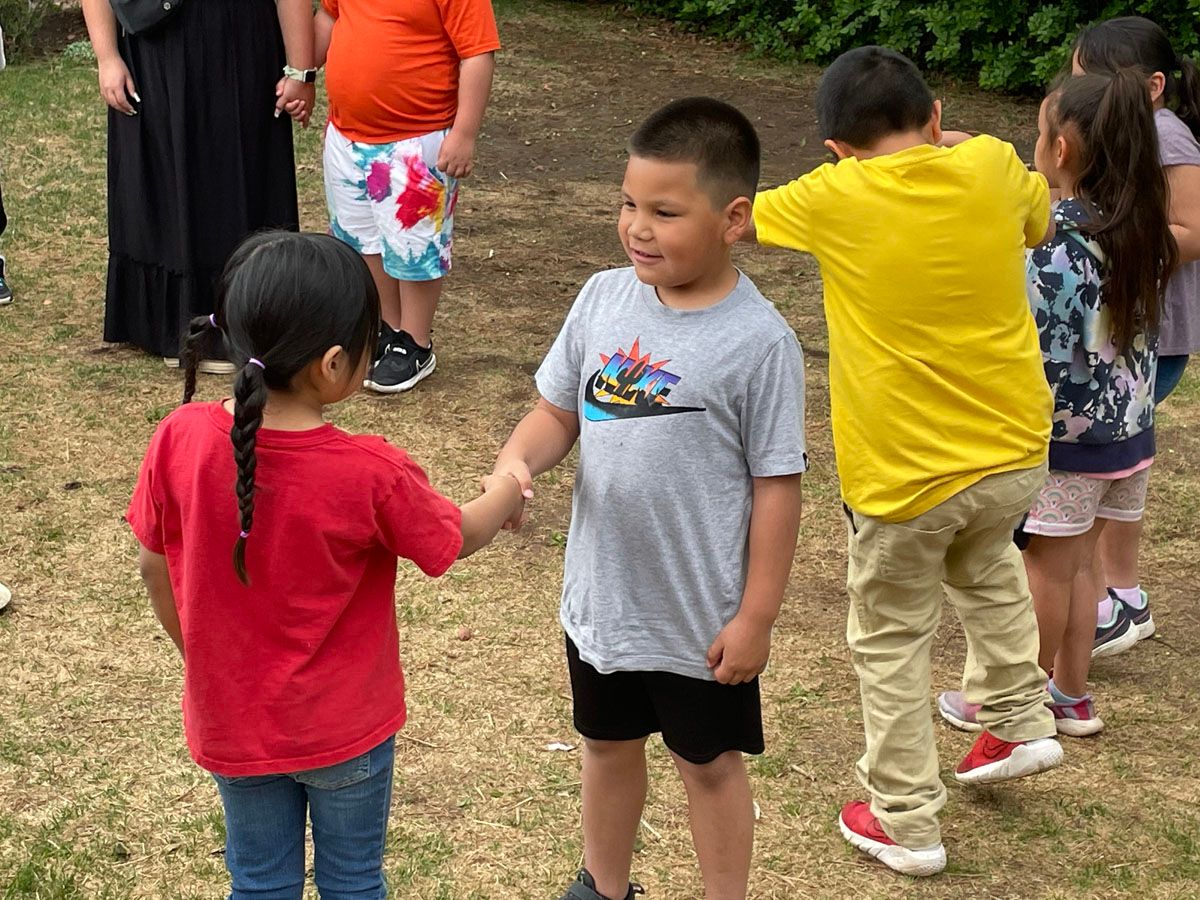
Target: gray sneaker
584 888
1118 635
1141 619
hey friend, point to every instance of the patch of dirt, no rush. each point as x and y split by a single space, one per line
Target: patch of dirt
61 27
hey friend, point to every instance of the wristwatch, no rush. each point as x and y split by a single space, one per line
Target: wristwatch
304 76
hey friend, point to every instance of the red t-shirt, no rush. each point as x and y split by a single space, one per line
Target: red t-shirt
392 68
302 668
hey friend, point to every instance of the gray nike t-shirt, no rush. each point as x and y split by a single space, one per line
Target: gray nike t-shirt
678 411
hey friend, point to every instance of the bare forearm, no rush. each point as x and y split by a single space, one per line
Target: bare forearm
541 441
102 28
296 23
774 527
474 88
483 517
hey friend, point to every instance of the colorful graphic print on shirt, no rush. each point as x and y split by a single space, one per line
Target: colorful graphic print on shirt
1101 395
629 386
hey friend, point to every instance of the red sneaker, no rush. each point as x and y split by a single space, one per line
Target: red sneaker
992 759
862 829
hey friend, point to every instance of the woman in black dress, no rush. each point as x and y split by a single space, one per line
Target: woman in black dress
199 154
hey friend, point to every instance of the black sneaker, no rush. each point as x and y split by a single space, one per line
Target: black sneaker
402 365
6 296
584 888
387 334
1117 636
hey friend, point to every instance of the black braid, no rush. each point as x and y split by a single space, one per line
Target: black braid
249 399
193 345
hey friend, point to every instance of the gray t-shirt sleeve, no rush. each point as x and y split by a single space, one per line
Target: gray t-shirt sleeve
773 412
1176 144
558 376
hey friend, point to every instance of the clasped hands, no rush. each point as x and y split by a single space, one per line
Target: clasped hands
295 98
520 472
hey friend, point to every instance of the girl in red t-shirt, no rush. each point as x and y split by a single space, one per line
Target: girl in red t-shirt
272 566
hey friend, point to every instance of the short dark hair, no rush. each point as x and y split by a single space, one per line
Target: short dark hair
715 136
870 92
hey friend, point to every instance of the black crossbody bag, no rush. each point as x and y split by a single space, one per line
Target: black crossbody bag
138 16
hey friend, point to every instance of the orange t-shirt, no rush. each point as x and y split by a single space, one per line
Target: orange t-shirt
392 70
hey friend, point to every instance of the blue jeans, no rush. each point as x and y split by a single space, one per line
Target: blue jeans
264 829
1170 371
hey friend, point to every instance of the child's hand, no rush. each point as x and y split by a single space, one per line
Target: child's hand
507 482
295 99
520 471
457 156
740 651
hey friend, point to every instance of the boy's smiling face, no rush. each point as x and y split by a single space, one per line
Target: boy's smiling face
674 234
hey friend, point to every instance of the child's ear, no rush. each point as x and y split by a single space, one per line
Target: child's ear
333 364
839 149
738 216
1157 83
1062 152
935 123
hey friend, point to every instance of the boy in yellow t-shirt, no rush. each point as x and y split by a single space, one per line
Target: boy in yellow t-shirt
941 420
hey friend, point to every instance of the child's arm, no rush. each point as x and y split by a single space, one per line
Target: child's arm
1184 213
457 155
741 650
153 568
296 24
954 138
323 23
483 517
540 442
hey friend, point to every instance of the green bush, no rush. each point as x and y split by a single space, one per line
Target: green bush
1002 44
20 20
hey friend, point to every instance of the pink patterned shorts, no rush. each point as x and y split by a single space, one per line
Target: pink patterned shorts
1071 502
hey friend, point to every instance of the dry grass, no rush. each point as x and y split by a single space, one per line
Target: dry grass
97 796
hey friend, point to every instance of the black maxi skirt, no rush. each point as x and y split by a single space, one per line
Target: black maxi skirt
203 164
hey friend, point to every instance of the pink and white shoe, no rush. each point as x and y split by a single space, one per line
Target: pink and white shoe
1077 719
958 712
862 829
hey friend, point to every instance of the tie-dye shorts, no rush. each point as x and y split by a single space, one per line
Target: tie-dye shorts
390 199
1071 502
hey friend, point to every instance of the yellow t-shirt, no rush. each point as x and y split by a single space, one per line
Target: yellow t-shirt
935 371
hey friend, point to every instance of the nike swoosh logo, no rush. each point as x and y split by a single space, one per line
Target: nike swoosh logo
596 410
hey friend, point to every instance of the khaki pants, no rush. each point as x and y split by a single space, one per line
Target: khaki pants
897 573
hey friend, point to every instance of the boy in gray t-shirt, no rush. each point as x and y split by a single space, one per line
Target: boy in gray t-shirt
685 390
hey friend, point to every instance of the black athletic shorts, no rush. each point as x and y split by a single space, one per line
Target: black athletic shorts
699 720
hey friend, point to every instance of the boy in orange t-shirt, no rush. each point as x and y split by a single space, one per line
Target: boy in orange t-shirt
407 91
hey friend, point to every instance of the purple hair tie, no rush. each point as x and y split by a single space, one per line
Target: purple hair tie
212 320
257 362
244 534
